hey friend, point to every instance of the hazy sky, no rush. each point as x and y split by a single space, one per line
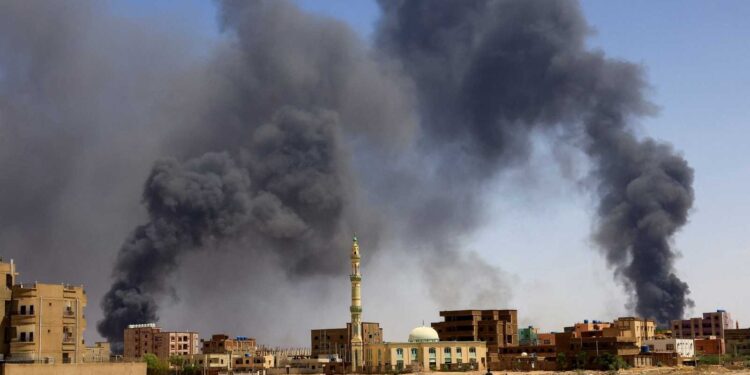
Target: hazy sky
696 55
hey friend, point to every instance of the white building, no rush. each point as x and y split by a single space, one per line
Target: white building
685 348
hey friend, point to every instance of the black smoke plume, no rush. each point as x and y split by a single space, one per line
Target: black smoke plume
489 73
286 192
290 133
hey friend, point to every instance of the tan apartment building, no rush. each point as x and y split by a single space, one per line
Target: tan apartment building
711 324
141 339
8 275
337 341
47 323
631 327
498 328
222 343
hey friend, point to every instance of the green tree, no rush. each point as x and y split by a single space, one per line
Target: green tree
154 365
611 362
582 359
562 362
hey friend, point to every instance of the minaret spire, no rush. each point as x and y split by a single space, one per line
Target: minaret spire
356 308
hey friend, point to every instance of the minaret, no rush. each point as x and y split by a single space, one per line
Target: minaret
356 309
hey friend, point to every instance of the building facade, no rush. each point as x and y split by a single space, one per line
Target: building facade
141 339
737 341
168 344
685 348
711 324
631 327
222 343
498 328
47 323
710 345
8 275
335 341
425 352
99 352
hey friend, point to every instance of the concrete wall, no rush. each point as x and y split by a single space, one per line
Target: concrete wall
136 368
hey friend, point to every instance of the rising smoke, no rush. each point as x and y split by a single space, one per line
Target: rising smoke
294 133
488 73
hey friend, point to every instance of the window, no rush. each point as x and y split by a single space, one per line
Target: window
472 352
9 280
22 310
509 339
400 354
414 354
22 337
670 346
31 309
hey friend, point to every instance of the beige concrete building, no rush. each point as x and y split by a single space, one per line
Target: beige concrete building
425 352
47 323
140 339
8 276
632 327
99 352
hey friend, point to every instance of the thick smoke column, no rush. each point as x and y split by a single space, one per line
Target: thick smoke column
285 191
488 73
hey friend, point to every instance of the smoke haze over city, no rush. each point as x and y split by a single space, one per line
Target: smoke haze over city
178 182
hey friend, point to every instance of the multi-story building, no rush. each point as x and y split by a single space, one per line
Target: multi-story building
222 343
138 340
8 275
47 323
636 328
737 341
498 328
141 339
168 344
336 341
711 324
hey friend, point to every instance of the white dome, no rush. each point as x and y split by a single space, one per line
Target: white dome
423 334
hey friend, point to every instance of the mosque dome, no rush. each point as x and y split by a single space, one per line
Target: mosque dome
423 334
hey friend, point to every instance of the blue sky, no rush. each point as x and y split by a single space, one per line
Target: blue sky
697 58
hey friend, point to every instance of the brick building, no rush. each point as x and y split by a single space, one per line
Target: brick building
498 328
711 324
222 343
710 345
141 339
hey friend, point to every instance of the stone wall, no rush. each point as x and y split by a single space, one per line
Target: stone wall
135 368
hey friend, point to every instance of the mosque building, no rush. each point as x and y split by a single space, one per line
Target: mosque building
368 353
